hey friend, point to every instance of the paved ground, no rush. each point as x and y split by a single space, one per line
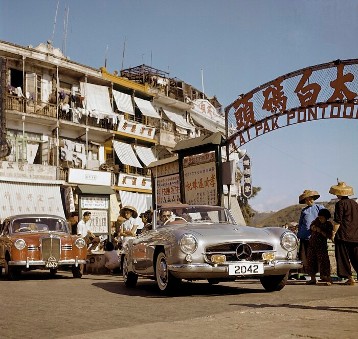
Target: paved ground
100 306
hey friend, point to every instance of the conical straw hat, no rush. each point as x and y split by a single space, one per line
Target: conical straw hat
341 189
307 194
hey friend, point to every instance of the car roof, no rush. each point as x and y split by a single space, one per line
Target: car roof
22 216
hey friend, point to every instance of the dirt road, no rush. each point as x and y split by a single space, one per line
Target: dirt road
100 306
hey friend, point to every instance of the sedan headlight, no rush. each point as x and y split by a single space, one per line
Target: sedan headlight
188 243
20 244
289 241
80 242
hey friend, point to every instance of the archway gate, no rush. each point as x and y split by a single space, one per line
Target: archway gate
326 91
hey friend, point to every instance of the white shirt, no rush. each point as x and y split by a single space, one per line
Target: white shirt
83 227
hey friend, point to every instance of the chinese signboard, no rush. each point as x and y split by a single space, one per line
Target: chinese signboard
34 172
247 186
320 92
98 206
200 179
167 186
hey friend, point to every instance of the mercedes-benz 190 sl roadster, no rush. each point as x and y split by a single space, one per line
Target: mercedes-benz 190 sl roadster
30 242
204 243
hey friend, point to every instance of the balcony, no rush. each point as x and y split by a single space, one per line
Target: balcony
23 105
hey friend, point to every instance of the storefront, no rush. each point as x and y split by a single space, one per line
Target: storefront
93 193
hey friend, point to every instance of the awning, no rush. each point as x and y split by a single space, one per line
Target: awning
178 119
210 125
126 154
29 198
145 154
146 108
95 189
97 102
124 102
140 201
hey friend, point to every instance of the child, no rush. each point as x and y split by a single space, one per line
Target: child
317 256
111 257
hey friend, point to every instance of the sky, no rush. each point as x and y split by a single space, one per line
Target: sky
230 47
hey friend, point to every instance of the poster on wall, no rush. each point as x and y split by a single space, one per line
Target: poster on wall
200 179
94 202
99 220
168 189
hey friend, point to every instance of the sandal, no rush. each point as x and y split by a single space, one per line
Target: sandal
350 282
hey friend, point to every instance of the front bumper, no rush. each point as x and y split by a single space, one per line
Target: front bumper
41 263
206 271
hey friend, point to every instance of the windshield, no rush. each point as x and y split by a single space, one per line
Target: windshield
34 224
193 214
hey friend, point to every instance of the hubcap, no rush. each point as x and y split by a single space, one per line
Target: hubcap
163 272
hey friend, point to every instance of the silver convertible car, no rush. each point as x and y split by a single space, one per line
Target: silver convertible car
204 242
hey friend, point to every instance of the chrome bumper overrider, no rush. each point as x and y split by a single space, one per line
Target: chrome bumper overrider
222 270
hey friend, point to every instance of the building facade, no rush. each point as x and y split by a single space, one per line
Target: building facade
73 129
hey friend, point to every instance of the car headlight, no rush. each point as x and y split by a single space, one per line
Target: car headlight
188 243
289 241
80 242
20 244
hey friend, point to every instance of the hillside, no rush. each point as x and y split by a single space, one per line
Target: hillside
287 215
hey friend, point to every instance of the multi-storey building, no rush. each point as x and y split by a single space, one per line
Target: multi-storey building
75 131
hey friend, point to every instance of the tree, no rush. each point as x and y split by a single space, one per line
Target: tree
247 211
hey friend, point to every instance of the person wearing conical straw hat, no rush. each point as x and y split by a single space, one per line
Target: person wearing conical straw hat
308 214
346 238
129 226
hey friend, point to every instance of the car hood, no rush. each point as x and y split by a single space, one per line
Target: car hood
39 235
227 232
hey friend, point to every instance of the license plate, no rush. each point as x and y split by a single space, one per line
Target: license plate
51 263
247 268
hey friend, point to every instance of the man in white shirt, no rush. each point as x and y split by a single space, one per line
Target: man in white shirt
84 230
84 225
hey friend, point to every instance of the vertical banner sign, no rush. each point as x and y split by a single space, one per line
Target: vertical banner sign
247 191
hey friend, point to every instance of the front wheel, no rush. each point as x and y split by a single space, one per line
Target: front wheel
273 283
166 282
76 272
130 278
11 272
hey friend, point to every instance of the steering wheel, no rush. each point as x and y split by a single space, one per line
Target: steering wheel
173 218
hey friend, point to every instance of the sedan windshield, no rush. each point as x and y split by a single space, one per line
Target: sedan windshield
33 224
193 214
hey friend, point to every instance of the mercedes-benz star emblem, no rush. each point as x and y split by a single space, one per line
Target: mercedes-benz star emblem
243 251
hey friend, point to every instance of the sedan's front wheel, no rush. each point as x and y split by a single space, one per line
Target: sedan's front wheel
11 272
130 278
166 282
273 283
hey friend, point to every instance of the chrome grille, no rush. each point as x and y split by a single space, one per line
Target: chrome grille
229 250
51 248
32 248
66 247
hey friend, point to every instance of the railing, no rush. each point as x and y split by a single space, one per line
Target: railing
24 105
